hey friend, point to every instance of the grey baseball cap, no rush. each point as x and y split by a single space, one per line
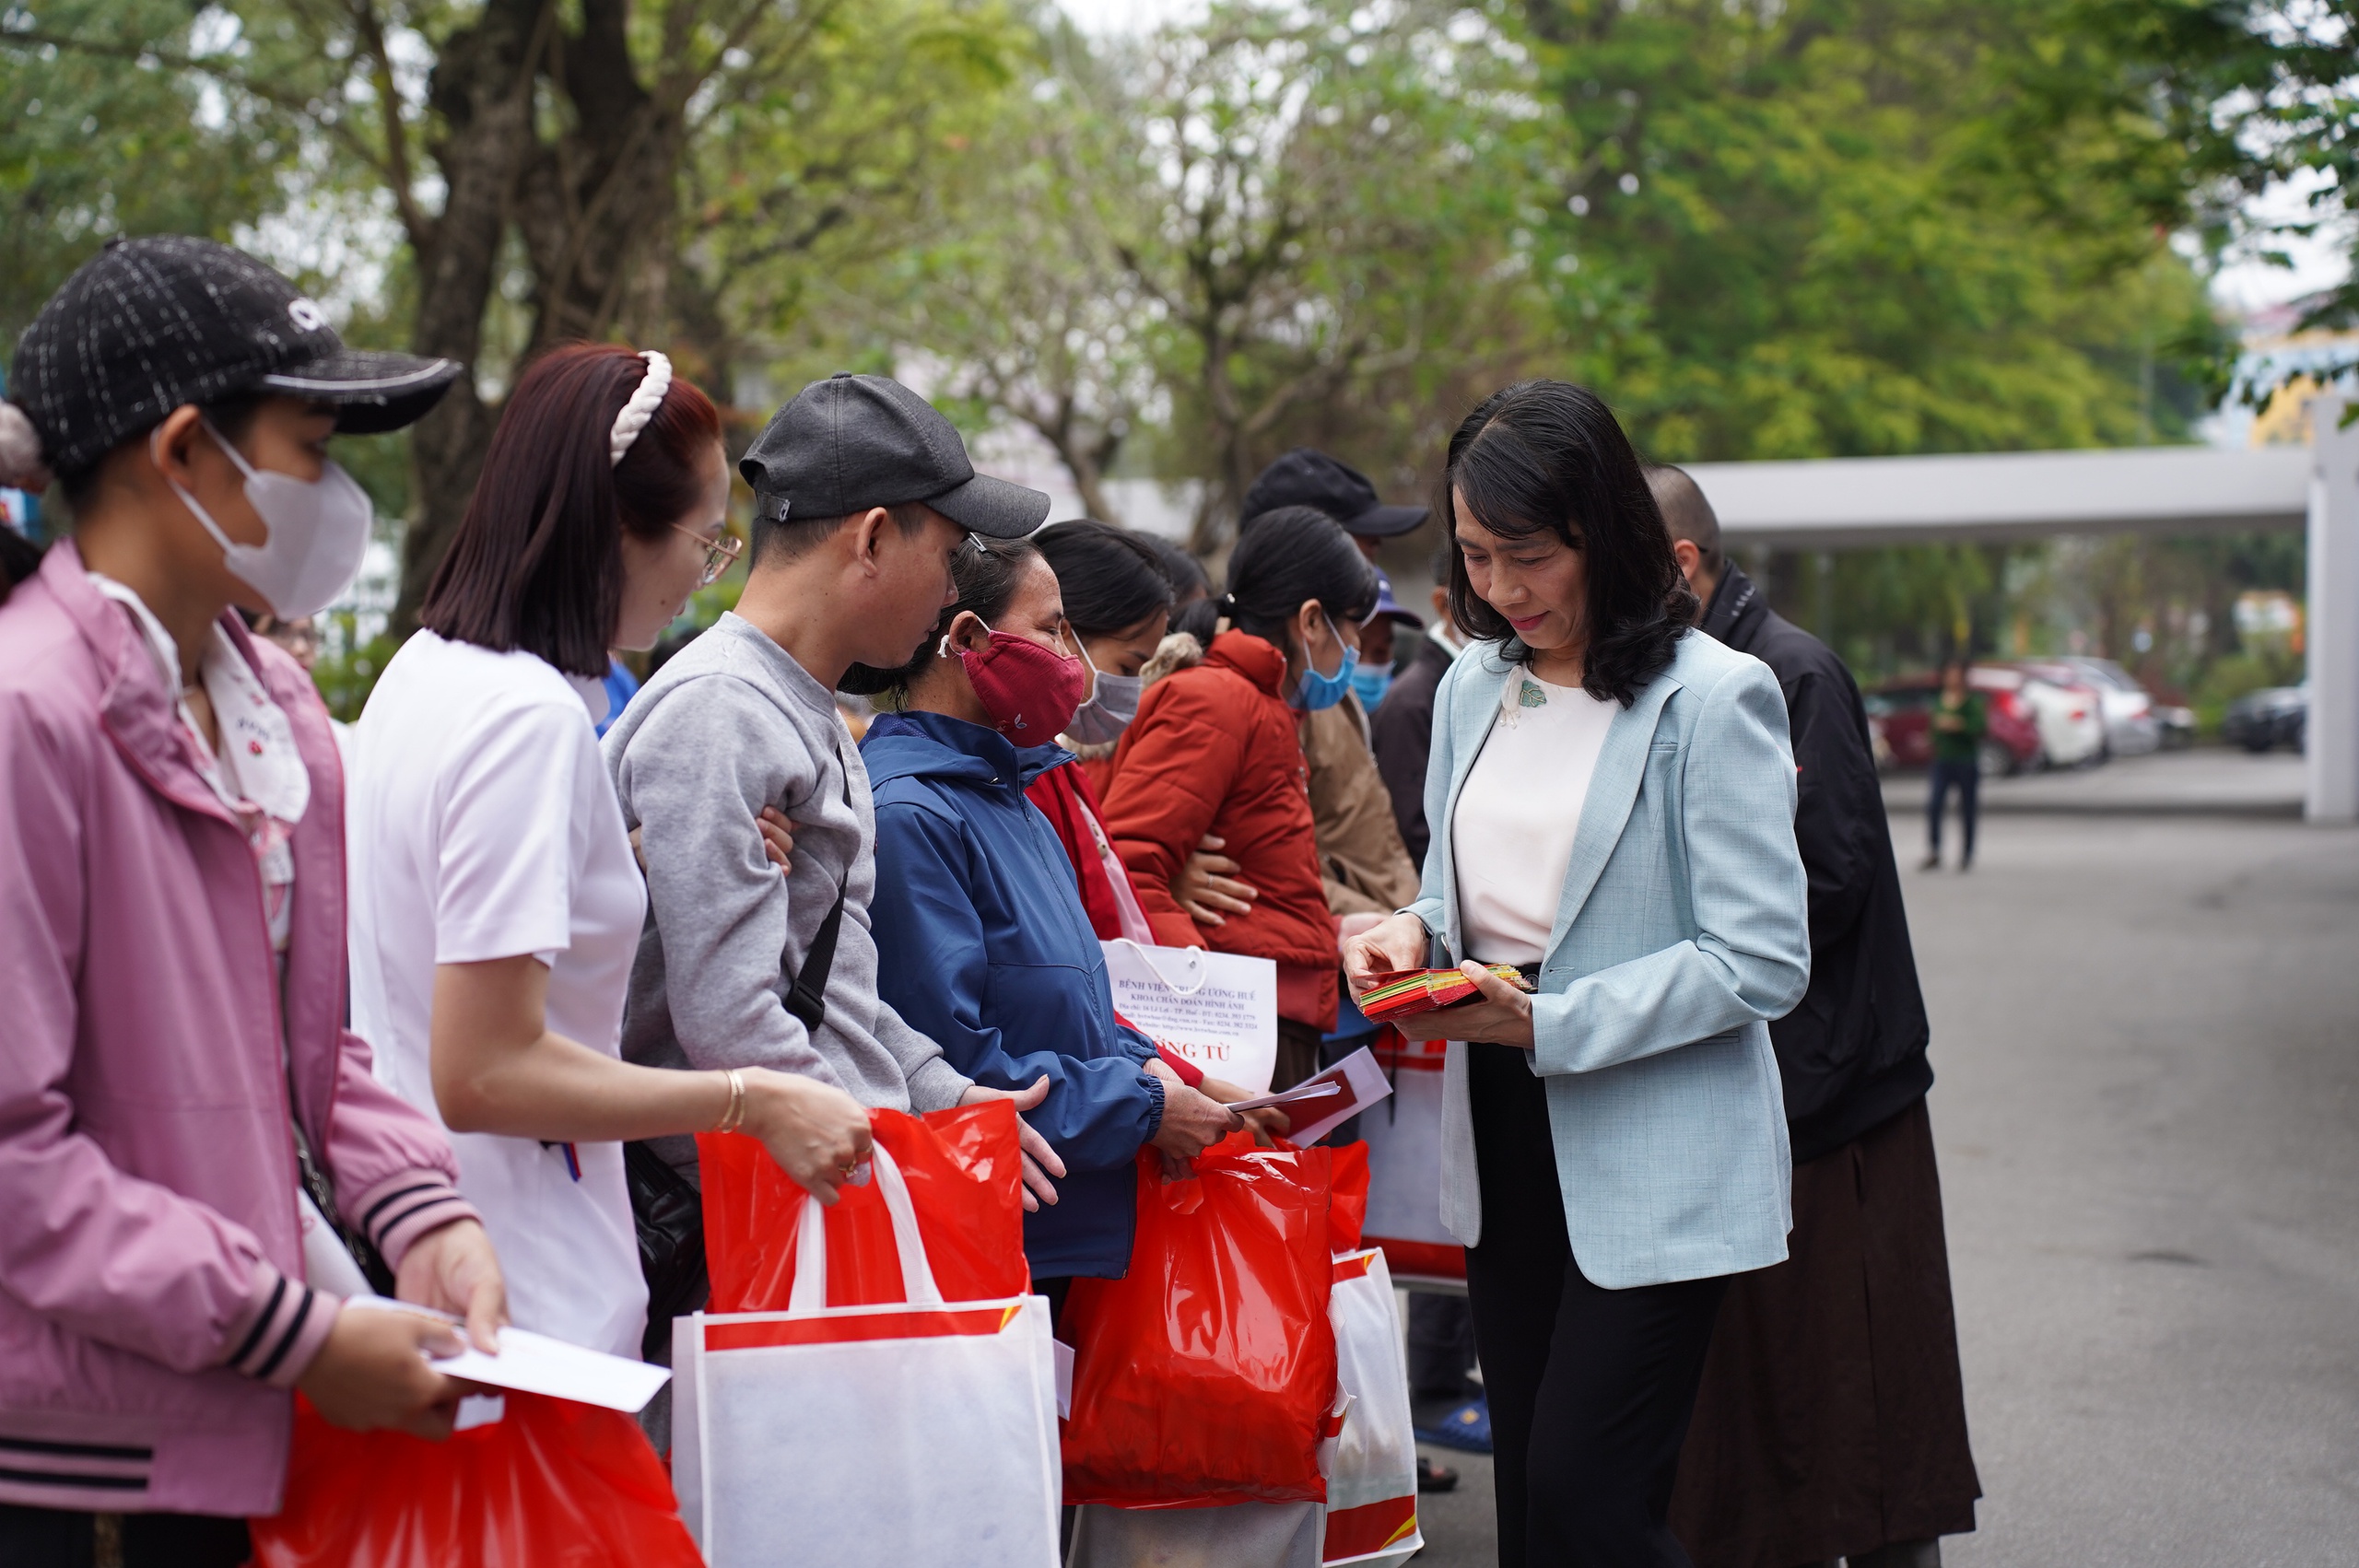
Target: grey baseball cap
853 442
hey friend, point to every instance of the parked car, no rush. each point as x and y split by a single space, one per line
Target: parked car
2133 722
2069 714
2266 718
1900 717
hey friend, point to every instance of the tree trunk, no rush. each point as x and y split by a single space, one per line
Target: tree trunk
482 87
597 206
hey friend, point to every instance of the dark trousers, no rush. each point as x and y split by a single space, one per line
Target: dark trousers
1967 778
1441 1345
49 1538
1590 1388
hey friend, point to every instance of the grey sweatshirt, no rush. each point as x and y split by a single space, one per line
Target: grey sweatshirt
729 725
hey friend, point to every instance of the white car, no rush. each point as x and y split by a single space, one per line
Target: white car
2133 723
2072 726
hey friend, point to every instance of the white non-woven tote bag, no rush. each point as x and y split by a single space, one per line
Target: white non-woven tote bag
1403 1138
1218 1010
898 1435
1371 1513
1241 1535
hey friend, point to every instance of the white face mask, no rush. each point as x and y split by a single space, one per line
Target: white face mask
1113 703
319 531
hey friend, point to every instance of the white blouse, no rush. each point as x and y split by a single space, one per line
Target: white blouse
483 826
1511 834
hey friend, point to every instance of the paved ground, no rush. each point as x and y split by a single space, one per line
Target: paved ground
2147 1032
2210 780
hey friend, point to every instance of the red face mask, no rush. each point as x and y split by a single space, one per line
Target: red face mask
1029 691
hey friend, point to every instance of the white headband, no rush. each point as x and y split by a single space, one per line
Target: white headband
644 402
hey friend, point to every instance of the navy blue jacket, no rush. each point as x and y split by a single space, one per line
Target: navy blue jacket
986 949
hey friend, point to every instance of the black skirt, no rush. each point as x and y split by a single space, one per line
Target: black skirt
1832 1416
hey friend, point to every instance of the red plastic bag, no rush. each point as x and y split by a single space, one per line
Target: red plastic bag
1206 1374
963 1171
551 1483
1347 1211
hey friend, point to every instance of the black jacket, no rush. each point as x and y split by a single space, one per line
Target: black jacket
1853 1053
1402 731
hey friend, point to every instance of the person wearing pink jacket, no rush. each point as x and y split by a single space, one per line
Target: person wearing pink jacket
196 1160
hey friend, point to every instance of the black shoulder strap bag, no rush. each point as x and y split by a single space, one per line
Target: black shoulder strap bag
665 1207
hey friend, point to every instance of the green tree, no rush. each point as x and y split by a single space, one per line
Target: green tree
532 157
1846 226
103 144
1337 243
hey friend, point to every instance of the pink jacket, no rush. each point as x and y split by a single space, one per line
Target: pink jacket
152 1313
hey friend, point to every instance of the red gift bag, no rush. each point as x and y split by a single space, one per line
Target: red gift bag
1206 1374
962 1167
551 1485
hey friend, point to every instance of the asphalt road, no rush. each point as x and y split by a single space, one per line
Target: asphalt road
2147 1036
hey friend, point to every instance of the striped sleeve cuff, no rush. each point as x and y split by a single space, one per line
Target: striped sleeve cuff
396 1212
284 1324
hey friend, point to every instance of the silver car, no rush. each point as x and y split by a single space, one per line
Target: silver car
2133 722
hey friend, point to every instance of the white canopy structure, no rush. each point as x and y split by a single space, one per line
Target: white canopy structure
1837 503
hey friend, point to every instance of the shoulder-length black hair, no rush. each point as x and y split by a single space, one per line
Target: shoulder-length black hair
537 562
1285 555
985 574
1110 578
1548 457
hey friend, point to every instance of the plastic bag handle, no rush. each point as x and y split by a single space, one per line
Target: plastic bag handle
918 1286
1155 969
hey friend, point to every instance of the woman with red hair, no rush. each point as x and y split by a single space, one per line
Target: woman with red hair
496 905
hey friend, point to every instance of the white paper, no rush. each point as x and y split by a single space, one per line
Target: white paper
535 1364
1358 1082
1309 1089
1064 1378
1218 1010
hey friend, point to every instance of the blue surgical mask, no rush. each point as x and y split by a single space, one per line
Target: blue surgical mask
1370 683
1314 691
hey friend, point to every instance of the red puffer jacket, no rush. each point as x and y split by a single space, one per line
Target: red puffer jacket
1214 749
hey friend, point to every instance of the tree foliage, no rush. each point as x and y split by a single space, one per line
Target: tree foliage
1853 226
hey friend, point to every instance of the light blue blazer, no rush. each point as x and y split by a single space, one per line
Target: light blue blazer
1682 930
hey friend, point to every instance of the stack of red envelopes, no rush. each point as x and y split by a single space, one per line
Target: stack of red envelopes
1403 993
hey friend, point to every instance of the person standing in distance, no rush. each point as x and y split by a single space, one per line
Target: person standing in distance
1960 718
1611 799
1824 1430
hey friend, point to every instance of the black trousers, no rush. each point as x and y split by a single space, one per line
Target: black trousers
48 1538
1967 778
1591 1389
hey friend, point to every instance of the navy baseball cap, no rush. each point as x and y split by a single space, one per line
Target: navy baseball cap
853 442
148 324
1308 477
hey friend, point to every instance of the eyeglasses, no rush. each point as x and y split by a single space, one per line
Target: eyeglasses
718 554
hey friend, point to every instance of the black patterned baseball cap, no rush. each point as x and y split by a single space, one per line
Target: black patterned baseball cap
146 325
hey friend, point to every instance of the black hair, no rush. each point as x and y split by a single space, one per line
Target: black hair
985 573
1287 555
232 415
1548 457
1686 511
785 538
1112 580
19 558
1186 575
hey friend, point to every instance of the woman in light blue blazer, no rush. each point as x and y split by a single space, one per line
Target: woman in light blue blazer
1613 800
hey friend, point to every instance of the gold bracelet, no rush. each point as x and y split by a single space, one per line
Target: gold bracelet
736 1114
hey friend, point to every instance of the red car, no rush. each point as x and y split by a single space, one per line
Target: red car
1900 714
